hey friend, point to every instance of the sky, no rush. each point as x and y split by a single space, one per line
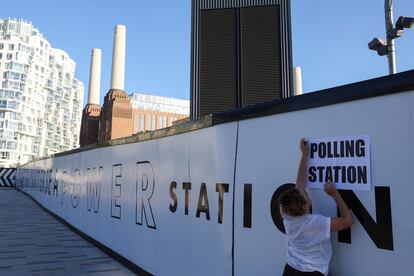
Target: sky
329 39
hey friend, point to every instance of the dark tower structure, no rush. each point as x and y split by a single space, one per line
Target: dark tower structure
241 54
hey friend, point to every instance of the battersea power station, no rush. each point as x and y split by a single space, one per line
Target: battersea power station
240 56
118 117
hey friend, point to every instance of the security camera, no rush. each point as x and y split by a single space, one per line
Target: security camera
378 45
404 22
382 51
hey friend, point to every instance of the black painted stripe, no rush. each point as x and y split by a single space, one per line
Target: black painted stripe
387 85
233 204
2 172
10 173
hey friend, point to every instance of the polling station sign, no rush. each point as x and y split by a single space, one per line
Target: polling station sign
344 161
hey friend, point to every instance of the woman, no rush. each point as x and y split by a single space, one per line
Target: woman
308 236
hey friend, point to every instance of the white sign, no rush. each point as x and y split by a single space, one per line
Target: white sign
344 161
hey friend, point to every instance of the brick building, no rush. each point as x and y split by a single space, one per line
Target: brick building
122 115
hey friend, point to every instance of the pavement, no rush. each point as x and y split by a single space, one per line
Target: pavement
34 243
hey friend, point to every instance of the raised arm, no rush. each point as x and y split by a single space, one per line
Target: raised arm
345 220
301 178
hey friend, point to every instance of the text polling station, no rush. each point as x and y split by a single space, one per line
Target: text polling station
344 161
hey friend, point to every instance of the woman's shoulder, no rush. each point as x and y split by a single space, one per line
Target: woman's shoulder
319 222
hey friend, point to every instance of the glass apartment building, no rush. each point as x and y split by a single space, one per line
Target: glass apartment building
40 98
154 112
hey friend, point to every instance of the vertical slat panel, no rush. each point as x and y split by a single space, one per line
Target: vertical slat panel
219 4
218 61
261 55
285 60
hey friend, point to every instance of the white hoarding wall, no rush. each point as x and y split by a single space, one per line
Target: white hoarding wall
164 204
380 240
205 202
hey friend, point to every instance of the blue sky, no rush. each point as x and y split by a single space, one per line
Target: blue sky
329 39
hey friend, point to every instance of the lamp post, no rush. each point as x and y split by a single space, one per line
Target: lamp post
389 25
388 47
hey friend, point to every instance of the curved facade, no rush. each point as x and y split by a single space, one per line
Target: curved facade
40 98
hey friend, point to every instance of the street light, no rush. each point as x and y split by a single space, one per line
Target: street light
388 47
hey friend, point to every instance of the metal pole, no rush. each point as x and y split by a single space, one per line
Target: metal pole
389 25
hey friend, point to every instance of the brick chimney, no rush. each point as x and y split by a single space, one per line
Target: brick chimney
116 115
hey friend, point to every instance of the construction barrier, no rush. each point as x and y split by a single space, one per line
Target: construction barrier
7 176
204 201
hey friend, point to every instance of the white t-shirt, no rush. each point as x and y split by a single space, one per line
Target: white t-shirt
309 245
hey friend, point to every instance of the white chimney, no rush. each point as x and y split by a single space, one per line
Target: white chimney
297 81
95 77
118 58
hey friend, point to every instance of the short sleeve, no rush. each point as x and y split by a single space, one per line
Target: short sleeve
321 228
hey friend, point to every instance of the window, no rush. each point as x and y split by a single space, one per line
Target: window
12 105
11 145
5 155
8 134
9 56
142 123
9 94
15 115
153 122
11 47
12 125
1 46
138 121
149 117
160 121
1 55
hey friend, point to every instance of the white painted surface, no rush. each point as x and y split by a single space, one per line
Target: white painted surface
118 58
267 157
186 248
297 81
273 161
338 155
95 77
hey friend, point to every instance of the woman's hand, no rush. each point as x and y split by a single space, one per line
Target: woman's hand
303 146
